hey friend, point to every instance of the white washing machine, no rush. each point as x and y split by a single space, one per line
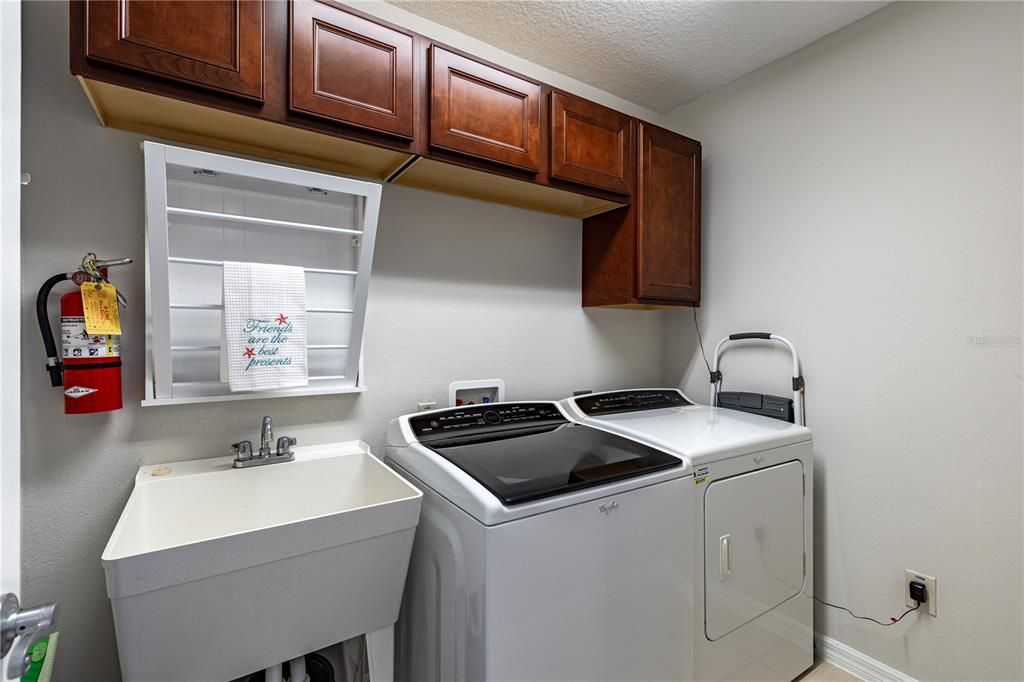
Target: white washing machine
546 550
750 510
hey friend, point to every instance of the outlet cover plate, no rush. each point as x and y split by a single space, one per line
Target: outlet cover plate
931 606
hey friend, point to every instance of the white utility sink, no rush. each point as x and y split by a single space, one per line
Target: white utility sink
215 572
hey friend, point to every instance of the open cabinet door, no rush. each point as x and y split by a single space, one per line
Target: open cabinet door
10 300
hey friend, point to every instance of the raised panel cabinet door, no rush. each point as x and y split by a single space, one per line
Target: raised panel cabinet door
480 111
215 44
590 144
350 69
668 216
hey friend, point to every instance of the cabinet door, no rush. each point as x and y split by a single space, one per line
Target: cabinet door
668 216
216 44
753 545
480 111
590 144
349 69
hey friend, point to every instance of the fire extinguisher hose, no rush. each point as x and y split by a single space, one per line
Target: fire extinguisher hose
53 363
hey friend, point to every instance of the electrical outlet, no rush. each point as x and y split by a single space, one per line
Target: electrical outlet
931 606
427 405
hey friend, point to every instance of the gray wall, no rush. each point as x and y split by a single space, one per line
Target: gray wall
863 198
460 290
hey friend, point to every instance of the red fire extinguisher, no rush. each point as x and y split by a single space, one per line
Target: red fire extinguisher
88 366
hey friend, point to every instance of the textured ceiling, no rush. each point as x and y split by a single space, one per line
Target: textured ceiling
659 54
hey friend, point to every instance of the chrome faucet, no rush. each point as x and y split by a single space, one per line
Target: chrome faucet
244 457
266 436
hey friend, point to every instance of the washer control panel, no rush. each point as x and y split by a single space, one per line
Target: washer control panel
630 401
483 418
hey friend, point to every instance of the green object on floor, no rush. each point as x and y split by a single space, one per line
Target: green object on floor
41 655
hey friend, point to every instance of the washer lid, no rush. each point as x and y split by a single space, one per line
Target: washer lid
527 452
470 436
699 433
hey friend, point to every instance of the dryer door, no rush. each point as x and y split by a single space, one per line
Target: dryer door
753 545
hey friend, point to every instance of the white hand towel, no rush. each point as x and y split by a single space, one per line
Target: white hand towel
263 334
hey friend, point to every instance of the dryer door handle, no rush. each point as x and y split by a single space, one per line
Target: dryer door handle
725 556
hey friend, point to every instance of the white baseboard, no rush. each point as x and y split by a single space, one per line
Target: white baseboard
854 662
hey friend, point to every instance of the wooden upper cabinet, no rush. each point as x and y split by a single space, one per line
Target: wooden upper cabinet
215 44
349 69
590 144
647 255
668 216
481 111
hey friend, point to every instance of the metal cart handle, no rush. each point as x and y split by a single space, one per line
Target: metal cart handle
798 378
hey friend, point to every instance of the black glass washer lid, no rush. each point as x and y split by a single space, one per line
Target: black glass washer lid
531 463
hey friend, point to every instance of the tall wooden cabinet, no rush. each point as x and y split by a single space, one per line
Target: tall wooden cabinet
667 204
647 255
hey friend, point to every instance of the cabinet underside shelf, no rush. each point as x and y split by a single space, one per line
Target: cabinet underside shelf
172 119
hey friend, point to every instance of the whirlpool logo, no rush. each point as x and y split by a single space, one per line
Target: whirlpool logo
608 507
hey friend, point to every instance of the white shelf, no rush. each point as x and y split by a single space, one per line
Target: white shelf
220 264
208 349
250 220
219 306
238 210
282 393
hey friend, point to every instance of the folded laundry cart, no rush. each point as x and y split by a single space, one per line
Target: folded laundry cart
776 407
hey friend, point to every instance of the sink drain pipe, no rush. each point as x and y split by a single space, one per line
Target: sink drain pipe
296 671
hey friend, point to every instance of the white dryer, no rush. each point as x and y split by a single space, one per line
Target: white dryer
751 516
546 550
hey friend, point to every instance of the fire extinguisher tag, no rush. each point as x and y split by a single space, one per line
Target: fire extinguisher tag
100 303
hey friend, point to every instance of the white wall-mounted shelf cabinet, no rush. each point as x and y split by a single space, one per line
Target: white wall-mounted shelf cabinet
203 209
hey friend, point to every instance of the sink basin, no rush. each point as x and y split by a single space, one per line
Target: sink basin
215 572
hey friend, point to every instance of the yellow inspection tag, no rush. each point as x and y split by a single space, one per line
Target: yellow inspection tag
100 303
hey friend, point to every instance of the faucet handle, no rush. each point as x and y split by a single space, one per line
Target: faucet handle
242 450
284 445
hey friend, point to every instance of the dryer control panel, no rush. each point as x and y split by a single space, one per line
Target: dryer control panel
465 421
634 400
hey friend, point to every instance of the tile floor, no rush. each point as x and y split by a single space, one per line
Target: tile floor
826 672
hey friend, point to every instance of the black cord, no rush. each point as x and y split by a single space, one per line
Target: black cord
700 340
893 621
